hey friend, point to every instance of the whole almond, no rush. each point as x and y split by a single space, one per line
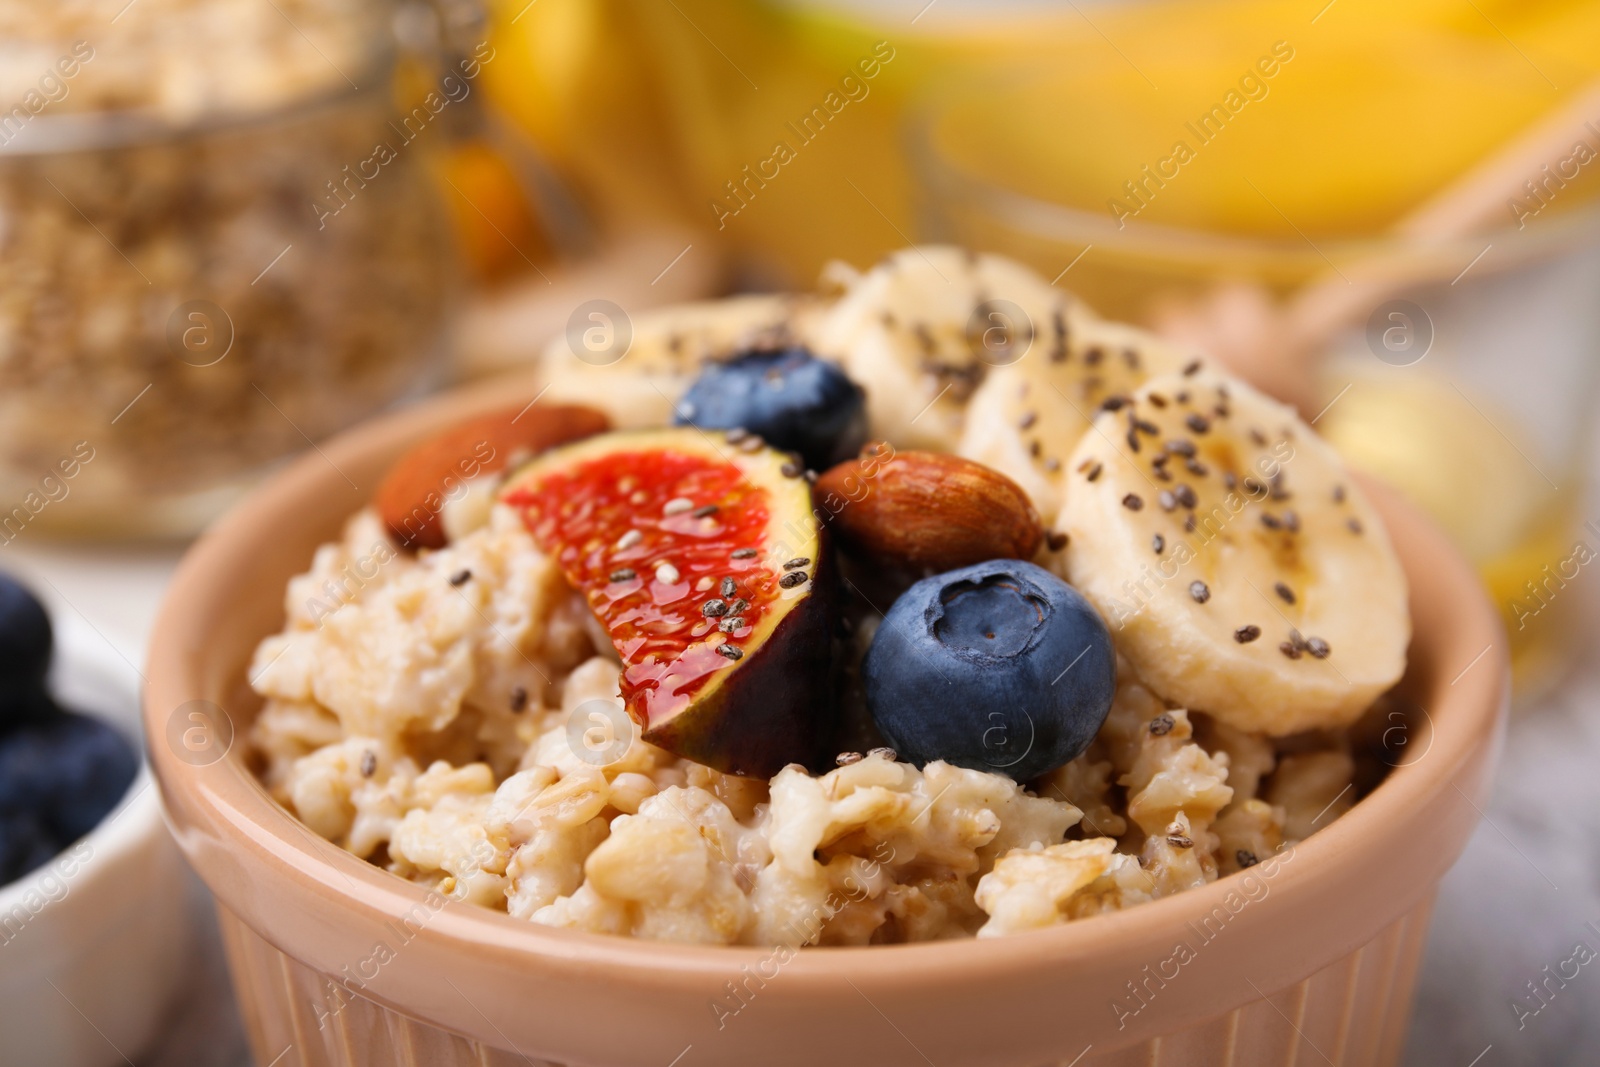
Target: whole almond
927 510
414 492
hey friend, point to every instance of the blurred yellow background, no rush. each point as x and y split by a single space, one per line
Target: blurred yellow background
652 107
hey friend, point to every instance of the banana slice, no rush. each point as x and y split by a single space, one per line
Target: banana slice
637 389
1028 417
910 331
1239 568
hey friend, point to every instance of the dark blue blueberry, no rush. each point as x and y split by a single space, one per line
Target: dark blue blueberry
25 845
25 646
792 399
69 771
1000 666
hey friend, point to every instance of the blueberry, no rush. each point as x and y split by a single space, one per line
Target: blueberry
792 399
1000 666
25 647
68 771
25 845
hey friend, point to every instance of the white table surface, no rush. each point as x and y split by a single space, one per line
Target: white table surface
1519 899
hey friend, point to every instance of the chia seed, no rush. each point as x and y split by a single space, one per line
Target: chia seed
704 511
792 579
845 759
729 587
1197 422
369 763
798 561
1161 725
714 609
1317 647
1200 591
730 623
1132 502
1245 858
519 698
1056 540
887 753
461 577
624 574
744 553
727 651
1289 649
1284 592
1158 543
1245 634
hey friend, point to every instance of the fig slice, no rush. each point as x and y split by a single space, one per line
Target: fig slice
701 556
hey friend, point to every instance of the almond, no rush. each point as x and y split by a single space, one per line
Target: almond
416 488
927 509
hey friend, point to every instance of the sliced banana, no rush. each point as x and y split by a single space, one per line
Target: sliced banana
911 333
668 346
1028 416
1239 568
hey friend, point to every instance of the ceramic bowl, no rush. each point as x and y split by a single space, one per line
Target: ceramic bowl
1307 958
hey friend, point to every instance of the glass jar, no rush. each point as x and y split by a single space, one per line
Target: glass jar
199 280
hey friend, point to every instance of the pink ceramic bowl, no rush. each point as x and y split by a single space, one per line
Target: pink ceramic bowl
1309 958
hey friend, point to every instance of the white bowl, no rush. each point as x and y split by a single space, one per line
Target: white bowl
93 944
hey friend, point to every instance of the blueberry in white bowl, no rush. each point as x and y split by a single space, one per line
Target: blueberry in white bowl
788 397
61 773
26 644
1000 666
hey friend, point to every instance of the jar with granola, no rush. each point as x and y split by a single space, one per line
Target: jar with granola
218 243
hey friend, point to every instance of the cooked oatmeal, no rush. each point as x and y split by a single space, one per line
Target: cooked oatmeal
392 728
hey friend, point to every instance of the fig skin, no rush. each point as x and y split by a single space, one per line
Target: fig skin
778 705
